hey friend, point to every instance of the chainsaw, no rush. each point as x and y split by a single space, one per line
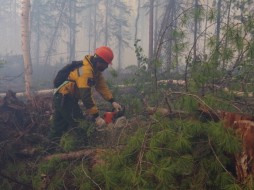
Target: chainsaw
113 116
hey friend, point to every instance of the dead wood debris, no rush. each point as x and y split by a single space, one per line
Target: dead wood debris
243 125
94 155
19 119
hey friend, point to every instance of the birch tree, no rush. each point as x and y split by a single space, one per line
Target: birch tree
25 38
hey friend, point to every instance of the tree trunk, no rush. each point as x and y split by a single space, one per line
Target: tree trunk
36 15
55 32
136 28
74 155
195 31
218 32
106 22
151 30
72 28
90 29
226 37
25 37
165 29
171 38
120 47
205 32
136 21
95 26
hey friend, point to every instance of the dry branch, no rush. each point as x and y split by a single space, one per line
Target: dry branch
91 153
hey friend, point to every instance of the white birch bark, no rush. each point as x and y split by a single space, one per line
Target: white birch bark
25 41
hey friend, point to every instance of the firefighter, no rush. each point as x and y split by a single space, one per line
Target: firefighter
79 87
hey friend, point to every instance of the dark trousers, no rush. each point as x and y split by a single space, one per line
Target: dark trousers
67 113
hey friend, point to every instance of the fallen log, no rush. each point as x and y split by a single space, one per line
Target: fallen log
243 126
89 153
153 110
164 112
245 159
163 82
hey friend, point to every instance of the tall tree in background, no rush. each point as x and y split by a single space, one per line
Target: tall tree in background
136 28
58 22
36 23
168 41
205 31
120 29
218 28
90 28
107 17
136 21
196 15
8 18
71 46
25 37
95 12
169 23
116 26
227 28
93 33
151 20
42 22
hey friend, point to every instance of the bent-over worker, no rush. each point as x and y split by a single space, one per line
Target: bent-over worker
79 87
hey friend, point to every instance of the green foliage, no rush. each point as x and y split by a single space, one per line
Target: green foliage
51 166
178 34
184 19
186 103
142 80
227 181
54 169
179 47
81 179
224 139
251 50
211 16
198 13
113 73
68 142
166 153
140 54
17 171
134 104
56 183
173 155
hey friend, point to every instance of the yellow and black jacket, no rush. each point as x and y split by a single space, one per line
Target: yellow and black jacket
80 86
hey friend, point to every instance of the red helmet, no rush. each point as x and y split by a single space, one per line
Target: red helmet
105 53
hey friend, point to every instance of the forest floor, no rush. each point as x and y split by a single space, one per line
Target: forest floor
24 135
25 127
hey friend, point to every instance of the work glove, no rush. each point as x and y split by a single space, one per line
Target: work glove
99 122
117 106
